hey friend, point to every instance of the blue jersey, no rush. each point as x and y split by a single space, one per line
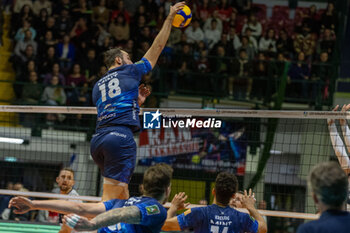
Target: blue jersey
330 221
216 219
115 95
153 215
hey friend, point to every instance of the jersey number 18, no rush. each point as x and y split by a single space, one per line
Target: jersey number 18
113 89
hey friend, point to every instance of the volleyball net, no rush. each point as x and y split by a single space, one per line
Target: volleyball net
271 152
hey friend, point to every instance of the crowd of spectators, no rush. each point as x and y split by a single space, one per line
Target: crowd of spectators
59 45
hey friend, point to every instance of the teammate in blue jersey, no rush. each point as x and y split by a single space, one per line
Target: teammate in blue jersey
219 217
135 215
117 97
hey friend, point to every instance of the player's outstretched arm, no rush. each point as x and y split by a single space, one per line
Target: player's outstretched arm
23 205
345 128
248 202
130 215
338 145
161 39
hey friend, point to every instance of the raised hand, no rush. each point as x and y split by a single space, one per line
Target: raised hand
175 8
178 201
344 109
22 205
248 199
144 92
331 121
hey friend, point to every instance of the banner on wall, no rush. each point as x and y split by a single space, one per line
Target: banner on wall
209 149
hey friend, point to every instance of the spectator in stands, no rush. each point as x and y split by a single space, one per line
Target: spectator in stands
240 84
276 69
327 41
22 45
214 17
46 42
120 29
136 29
203 10
81 9
194 32
305 42
233 38
321 73
249 49
100 14
90 66
243 6
145 45
260 77
79 28
47 59
268 43
40 23
20 3
224 10
107 43
76 78
122 11
329 190
252 40
55 72
59 6
25 14
221 66
184 66
298 76
284 43
329 18
49 26
20 35
232 21
311 19
9 214
212 35
66 52
31 92
64 23
42 4
254 25
53 94
228 47
203 65
4 199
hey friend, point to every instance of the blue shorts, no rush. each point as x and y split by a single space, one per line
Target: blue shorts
114 151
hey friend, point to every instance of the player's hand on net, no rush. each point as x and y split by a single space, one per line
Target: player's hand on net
344 109
78 223
248 199
175 8
22 205
178 201
331 121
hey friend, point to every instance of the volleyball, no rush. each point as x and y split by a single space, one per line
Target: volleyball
183 17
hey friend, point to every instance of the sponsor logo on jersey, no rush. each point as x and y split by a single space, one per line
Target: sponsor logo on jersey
153 209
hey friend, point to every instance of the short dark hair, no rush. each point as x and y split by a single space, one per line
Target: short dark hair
67 169
110 56
329 183
226 185
156 180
